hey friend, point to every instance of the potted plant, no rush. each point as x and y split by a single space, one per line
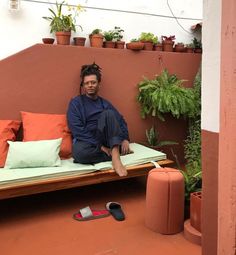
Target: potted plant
157 45
135 44
153 141
109 37
189 47
96 38
62 24
166 94
179 47
168 42
197 45
148 39
118 36
192 149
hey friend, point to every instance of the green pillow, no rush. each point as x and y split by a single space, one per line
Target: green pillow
33 154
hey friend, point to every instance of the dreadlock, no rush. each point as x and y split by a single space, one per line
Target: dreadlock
90 70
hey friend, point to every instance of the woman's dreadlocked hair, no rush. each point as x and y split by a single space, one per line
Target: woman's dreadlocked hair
89 70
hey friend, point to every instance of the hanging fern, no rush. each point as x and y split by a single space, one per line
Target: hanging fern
165 94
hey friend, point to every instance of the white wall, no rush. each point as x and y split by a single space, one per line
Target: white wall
26 27
211 65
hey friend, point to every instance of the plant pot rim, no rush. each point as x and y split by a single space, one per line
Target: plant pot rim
63 33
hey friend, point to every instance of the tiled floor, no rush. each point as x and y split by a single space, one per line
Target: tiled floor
43 225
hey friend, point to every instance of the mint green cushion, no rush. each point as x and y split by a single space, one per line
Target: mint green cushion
42 153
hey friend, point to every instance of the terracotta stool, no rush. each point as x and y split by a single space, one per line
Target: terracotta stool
165 201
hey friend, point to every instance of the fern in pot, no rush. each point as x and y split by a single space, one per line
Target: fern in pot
165 94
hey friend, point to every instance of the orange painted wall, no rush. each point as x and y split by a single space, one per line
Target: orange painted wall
43 78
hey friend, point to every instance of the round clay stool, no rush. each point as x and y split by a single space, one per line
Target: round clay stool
165 201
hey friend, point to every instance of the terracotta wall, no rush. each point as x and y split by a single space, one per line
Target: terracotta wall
43 78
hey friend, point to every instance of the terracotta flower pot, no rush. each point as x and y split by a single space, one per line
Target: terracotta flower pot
96 40
48 40
198 50
120 44
147 45
63 38
189 50
109 44
158 47
195 210
135 45
79 41
179 48
168 45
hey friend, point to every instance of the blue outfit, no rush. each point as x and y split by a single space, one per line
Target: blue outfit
93 123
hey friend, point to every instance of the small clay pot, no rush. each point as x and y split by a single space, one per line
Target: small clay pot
120 44
109 44
63 38
48 40
189 50
96 40
79 41
135 45
179 48
158 47
147 45
168 45
198 50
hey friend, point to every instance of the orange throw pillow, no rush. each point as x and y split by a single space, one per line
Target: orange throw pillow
38 126
8 130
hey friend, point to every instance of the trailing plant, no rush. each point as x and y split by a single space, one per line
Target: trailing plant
153 138
60 22
192 146
165 94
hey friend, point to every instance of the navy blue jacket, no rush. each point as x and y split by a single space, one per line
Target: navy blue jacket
76 117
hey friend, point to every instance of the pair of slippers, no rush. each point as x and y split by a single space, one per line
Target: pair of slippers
112 208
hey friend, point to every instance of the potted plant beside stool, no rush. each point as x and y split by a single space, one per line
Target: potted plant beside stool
62 24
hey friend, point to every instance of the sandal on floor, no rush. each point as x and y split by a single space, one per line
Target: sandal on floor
87 213
116 211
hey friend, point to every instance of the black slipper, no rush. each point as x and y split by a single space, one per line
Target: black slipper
116 211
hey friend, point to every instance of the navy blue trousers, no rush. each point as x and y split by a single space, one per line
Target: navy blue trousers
110 135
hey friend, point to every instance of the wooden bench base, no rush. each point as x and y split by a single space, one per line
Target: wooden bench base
58 183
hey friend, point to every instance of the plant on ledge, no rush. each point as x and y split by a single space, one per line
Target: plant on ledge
165 94
63 24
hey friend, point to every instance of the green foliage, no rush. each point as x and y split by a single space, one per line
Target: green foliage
192 147
96 31
60 22
153 138
190 45
109 35
197 43
134 40
148 37
115 34
118 33
165 94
